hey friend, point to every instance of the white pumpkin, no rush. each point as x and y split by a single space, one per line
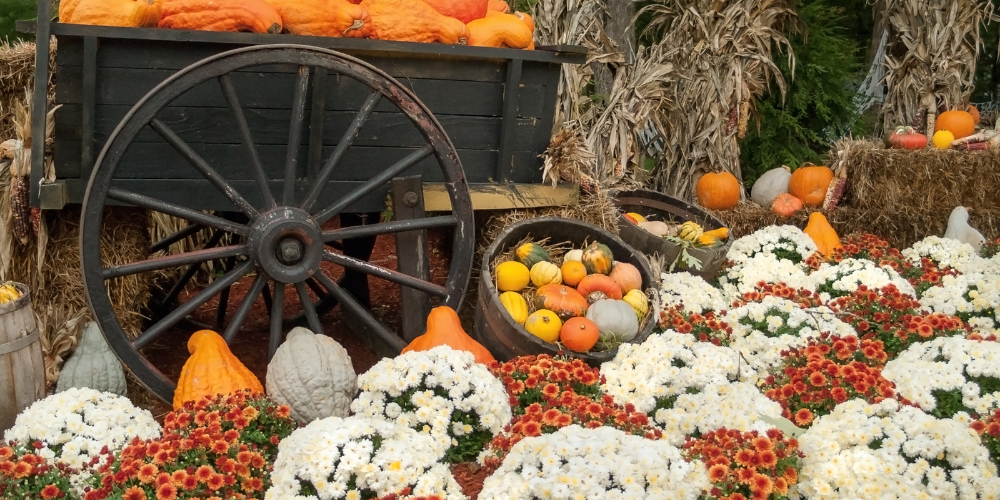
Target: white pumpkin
313 375
770 185
616 322
93 365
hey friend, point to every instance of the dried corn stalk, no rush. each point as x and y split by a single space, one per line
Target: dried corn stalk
569 159
939 42
722 54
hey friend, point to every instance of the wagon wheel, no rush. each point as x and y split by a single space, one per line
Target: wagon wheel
284 242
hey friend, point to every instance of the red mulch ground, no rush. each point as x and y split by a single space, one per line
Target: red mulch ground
168 352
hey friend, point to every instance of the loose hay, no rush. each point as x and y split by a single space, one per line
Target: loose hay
17 73
924 180
901 228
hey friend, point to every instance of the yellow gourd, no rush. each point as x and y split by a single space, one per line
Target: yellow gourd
212 369
637 300
545 273
512 276
544 324
515 305
690 231
822 234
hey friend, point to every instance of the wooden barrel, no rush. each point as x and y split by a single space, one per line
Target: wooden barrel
494 327
22 369
670 210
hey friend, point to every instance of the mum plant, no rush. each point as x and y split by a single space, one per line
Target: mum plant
745 465
25 474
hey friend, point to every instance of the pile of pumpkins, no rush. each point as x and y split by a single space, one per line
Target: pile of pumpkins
689 231
787 192
585 302
482 23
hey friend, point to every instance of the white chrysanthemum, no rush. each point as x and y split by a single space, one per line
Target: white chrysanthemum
325 458
692 293
595 464
974 297
761 330
773 254
844 277
946 364
887 450
733 405
946 252
439 385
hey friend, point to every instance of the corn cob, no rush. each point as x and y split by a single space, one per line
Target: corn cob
834 193
918 120
734 115
36 219
974 146
19 206
744 119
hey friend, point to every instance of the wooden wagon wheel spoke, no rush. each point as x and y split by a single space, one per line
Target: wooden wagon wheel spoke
203 167
150 203
239 317
187 258
277 310
345 142
246 137
295 135
377 181
193 303
165 243
185 278
388 228
356 310
308 308
386 274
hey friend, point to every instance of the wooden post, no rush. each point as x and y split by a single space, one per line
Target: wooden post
411 254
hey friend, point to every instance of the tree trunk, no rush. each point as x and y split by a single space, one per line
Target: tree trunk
618 26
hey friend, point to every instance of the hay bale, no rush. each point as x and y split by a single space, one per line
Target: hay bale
17 75
924 180
901 227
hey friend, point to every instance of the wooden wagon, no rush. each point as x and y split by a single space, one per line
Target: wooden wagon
259 141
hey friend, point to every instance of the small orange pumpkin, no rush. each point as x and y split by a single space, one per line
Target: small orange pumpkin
255 16
444 328
572 272
463 10
211 370
414 21
822 233
786 205
562 300
627 276
499 30
718 191
959 123
600 283
334 18
974 111
809 184
579 334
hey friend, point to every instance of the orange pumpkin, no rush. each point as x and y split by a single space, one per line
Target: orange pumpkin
786 205
124 13
600 283
562 300
627 276
335 18
444 328
579 334
463 10
959 123
211 370
572 272
497 6
822 233
526 19
974 111
499 30
718 191
809 184
414 21
256 16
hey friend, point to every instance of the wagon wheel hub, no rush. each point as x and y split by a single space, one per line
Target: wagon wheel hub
287 244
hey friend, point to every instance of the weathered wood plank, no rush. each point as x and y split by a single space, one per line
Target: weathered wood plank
274 91
270 126
412 254
503 196
160 161
22 372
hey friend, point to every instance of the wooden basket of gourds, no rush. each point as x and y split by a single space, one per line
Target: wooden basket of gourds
584 302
